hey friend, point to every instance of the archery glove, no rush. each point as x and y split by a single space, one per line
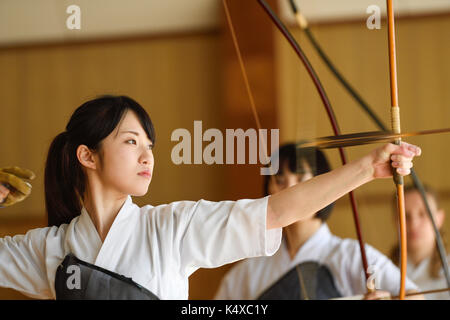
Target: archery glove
14 178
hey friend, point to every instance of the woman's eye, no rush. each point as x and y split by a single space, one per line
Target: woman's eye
150 146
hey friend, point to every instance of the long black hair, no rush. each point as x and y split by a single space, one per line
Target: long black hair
93 121
293 159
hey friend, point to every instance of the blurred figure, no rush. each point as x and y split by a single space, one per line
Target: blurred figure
424 264
312 263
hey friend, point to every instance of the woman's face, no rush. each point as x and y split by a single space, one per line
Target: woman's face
420 233
127 164
289 179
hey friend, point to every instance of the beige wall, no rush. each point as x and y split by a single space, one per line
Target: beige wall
24 21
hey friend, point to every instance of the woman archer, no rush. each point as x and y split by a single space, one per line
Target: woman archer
123 251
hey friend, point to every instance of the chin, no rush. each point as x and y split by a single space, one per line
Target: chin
135 193
138 189
139 192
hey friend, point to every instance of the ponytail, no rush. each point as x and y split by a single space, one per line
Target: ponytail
63 180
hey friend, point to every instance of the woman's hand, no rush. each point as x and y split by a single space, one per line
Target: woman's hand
3 193
383 159
14 185
377 295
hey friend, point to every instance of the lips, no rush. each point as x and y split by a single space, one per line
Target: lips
145 174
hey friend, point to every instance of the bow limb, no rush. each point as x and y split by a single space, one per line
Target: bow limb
331 117
303 24
395 124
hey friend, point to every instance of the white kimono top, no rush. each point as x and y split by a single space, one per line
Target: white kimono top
158 247
250 278
421 276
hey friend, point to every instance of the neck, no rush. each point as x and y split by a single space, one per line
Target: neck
418 255
298 233
103 208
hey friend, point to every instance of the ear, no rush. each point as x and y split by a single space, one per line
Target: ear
440 216
86 157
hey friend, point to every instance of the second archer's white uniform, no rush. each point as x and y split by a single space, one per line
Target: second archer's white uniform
158 247
421 276
248 279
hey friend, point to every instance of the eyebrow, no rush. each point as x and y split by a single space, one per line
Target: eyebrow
134 132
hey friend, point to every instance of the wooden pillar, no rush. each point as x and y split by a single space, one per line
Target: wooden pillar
255 34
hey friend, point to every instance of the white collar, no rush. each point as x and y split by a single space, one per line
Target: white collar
86 225
120 215
311 246
87 244
421 267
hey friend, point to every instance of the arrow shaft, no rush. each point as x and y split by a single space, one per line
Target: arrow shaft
423 292
355 139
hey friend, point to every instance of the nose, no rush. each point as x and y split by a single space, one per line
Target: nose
412 222
146 157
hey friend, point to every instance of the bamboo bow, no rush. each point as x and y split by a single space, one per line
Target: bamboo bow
363 138
324 99
395 126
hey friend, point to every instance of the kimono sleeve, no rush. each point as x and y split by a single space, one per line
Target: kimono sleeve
217 233
22 263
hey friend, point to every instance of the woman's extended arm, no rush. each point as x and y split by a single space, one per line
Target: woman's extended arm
23 261
306 198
